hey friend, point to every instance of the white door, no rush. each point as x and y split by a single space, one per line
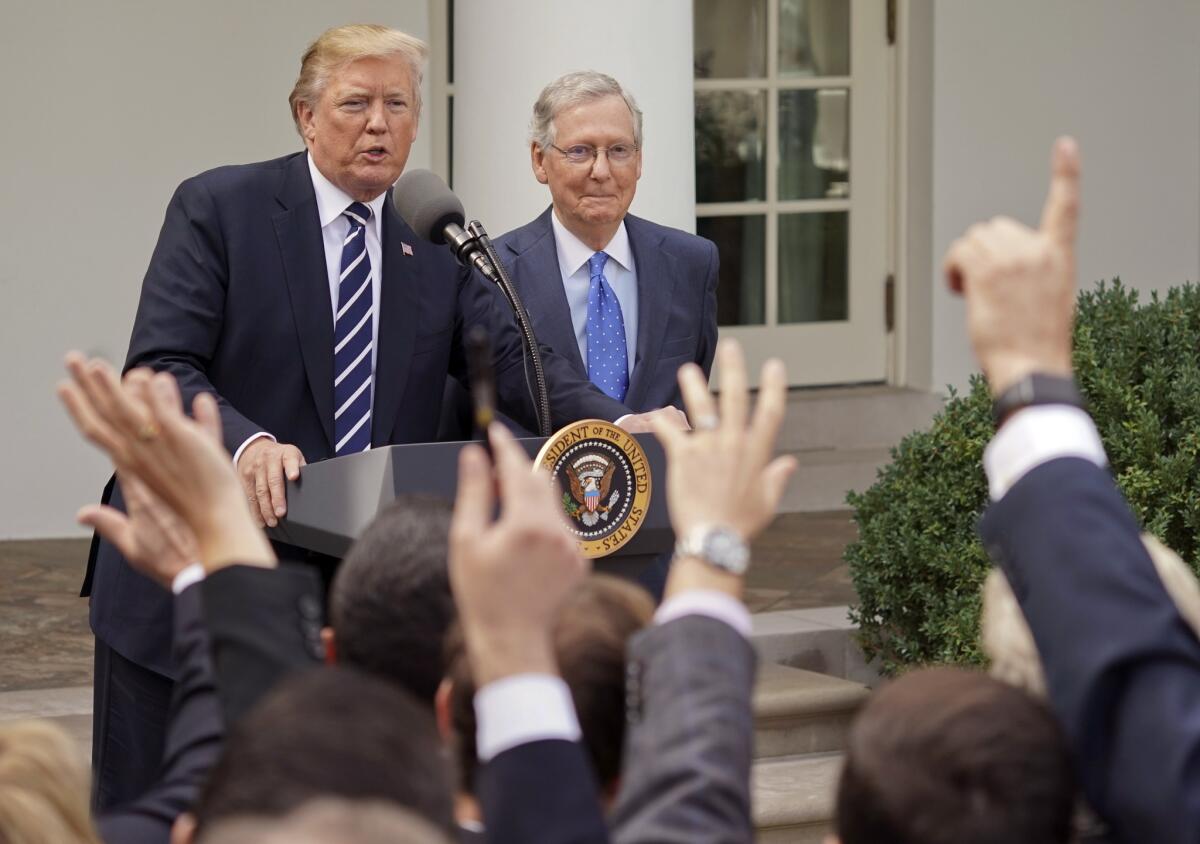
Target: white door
792 179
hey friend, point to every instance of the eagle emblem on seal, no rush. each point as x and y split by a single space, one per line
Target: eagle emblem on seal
590 478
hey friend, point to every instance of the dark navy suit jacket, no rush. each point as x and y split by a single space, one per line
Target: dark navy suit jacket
677 302
236 302
1122 667
677 312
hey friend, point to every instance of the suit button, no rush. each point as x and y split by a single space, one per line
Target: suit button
310 608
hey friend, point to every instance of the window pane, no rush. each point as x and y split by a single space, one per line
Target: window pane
730 38
813 261
741 242
814 152
730 145
814 38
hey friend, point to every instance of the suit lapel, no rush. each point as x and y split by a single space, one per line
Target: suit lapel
398 309
539 281
656 283
298 232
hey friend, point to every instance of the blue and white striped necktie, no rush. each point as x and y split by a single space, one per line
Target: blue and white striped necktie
353 330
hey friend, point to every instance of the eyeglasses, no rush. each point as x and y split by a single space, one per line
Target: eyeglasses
586 154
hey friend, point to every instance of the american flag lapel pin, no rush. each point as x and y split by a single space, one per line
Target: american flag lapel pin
406 249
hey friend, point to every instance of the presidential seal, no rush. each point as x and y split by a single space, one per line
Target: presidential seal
605 479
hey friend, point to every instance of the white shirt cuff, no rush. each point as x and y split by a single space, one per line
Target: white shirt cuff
1036 435
237 454
521 709
706 602
192 574
623 418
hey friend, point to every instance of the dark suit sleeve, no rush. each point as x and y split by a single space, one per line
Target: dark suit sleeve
1122 667
263 624
708 317
690 744
543 792
181 311
193 741
571 397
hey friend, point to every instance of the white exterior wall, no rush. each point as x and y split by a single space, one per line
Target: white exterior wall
1124 79
109 105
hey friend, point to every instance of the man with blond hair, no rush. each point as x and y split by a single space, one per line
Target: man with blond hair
323 325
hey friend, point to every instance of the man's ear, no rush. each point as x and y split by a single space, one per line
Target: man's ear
537 158
441 709
306 117
329 641
183 831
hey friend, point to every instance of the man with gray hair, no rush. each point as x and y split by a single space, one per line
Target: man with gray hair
625 300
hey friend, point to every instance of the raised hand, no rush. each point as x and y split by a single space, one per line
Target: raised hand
149 535
1019 283
722 473
509 576
141 425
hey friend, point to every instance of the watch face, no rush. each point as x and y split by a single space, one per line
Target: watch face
727 550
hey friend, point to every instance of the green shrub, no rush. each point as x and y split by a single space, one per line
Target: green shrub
918 564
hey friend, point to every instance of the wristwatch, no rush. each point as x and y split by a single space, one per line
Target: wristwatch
1036 388
720 546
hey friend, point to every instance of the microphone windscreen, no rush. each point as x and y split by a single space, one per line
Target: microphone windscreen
424 201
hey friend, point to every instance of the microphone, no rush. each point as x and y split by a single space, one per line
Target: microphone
432 210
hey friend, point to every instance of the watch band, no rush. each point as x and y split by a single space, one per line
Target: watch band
1034 389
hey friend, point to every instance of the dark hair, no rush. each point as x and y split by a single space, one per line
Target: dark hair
330 732
948 755
590 639
390 604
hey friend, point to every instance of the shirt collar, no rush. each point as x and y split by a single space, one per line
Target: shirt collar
332 201
573 253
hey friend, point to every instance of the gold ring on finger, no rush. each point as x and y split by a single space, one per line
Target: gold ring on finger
148 432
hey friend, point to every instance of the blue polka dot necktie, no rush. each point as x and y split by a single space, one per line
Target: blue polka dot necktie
352 337
607 358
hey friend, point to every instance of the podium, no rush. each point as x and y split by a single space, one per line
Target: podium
334 500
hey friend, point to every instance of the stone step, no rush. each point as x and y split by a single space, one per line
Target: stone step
823 477
872 416
798 712
794 798
819 639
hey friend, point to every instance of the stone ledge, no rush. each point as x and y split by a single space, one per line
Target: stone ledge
820 640
795 792
798 712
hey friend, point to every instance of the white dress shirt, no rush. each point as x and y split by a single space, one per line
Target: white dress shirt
332 202
1036 435
573 256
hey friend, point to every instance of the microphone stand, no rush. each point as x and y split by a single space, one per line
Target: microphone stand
542 399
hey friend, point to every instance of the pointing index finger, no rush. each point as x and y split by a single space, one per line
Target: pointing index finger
1060 216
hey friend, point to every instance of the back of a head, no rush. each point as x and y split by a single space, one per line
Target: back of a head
947 755
330 821
390 605
590 640
329 732
43 787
